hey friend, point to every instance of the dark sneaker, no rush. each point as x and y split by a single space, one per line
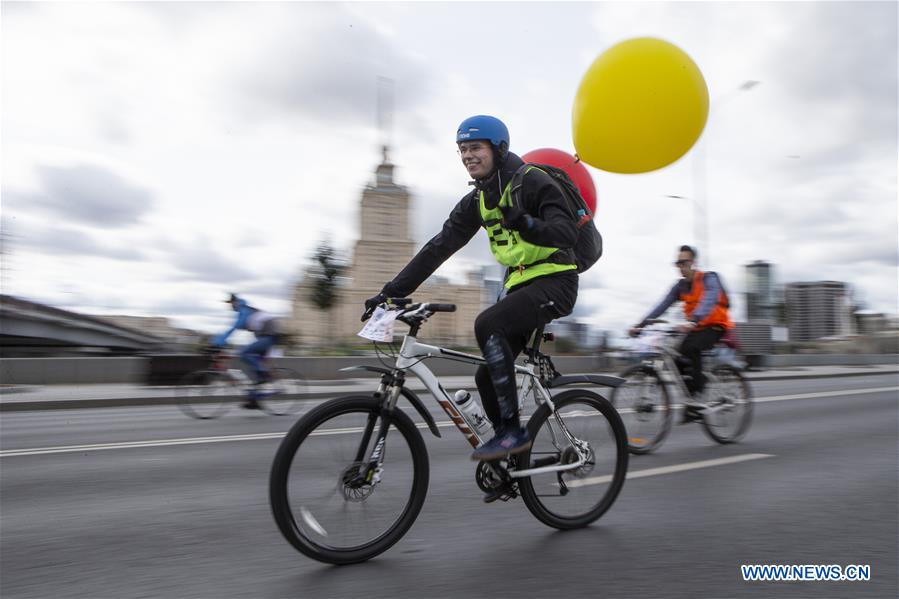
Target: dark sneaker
251 404
503 444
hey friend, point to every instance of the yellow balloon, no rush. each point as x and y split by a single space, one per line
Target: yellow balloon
641 105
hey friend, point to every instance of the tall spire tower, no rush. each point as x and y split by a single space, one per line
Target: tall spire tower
385 242
385 111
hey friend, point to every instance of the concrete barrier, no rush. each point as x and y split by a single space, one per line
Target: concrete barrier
135 370
82 371
788 360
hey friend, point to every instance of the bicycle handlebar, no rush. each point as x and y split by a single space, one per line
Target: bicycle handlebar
406 306
441 307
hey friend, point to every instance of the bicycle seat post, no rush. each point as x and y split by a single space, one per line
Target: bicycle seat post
535 346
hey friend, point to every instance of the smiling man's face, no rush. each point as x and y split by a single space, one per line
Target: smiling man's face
477 157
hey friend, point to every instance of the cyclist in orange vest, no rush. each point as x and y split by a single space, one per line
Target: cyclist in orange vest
706 308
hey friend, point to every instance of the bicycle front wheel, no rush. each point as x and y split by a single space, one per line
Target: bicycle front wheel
645 407
321 504
206 394
284 394
584 427
729 411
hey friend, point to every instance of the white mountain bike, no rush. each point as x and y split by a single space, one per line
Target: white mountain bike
644 400
351 476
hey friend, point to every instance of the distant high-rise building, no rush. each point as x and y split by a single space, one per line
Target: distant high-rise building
754 338
493 276
818 309
870 323
568 328
760 292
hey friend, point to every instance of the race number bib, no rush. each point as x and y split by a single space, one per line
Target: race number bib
380 326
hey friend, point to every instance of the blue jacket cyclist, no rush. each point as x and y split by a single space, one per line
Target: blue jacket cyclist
533 239
266 328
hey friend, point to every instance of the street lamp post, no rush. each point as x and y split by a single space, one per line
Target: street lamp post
700 223
700 192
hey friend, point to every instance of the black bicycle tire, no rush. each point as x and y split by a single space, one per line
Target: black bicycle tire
278 481
187 400
666 399
526 487
297 404
747 417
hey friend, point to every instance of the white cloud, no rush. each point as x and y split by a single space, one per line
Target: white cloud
251 129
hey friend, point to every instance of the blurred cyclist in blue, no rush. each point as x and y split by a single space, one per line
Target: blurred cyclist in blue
265 326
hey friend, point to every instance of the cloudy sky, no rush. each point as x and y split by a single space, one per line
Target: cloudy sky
158 155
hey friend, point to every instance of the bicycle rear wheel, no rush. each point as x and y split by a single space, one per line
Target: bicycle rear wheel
729 411
283 394
206 394
645 407
319 502
574 498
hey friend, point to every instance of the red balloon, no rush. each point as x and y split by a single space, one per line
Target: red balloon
572 166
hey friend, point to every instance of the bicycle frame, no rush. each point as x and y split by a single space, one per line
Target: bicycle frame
411 359
667 355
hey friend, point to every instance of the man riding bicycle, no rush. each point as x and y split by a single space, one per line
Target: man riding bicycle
706 309
265 326
533 240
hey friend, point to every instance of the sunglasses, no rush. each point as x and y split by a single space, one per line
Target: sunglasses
682 262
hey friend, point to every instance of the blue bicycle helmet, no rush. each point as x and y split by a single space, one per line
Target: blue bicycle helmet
484 127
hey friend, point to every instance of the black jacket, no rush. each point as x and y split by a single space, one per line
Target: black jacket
553 224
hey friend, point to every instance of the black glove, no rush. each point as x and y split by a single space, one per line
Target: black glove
516 218
372 303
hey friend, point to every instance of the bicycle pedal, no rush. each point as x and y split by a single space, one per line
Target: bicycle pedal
503 494
493 496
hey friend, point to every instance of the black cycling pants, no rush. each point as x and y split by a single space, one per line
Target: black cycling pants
692 347
503 331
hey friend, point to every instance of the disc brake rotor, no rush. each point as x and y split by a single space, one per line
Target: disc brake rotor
351 487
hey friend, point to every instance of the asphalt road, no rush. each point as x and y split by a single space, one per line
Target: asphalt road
84 514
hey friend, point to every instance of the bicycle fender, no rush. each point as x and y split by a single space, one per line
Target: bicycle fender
603 380
420 407
378 369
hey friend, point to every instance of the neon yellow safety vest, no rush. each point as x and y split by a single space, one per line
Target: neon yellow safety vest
511 250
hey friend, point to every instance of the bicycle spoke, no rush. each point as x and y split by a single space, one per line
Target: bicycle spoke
207 394
285 394
729 410
644 406
593 443
328 501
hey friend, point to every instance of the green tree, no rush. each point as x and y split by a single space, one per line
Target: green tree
326 278
325 275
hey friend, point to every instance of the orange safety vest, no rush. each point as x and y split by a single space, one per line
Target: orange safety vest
718 316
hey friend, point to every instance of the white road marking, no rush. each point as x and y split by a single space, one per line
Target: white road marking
673 468
9 453
825 394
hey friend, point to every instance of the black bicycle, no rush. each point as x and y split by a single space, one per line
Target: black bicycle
351 476
210 392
